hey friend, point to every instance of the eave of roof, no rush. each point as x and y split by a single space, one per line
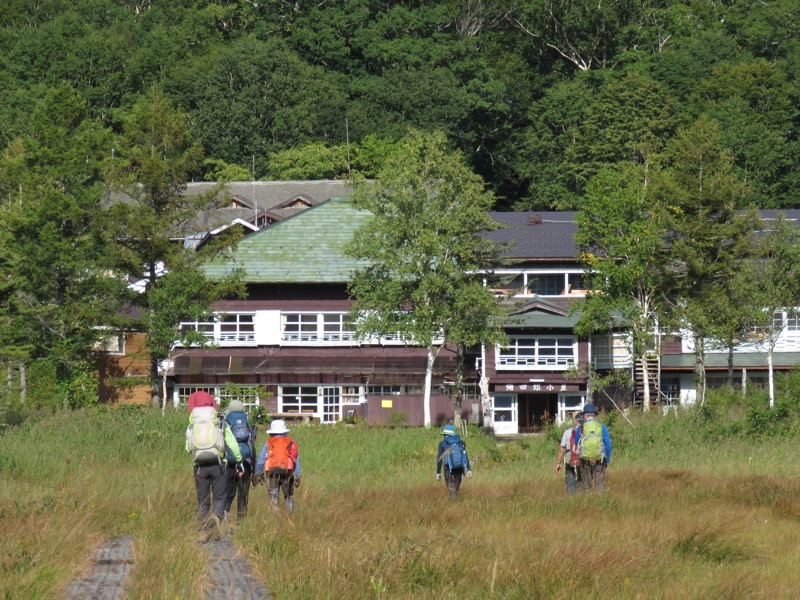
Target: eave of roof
740 360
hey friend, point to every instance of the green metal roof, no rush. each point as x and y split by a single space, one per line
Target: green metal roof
307 247
540 319
740 360
539 313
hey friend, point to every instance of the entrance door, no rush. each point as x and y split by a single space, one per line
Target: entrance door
331 405
568 404
504 414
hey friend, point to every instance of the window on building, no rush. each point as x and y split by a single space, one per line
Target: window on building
538 352
227 328
610 352
204 327
546 285
249 395
671 390
299 327
335 328
316 327
299 399
113 343
237 327
385 390
576 283
793 325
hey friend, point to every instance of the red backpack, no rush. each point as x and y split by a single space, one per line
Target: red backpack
574 449
281 456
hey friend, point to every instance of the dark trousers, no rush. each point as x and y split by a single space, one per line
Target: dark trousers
276 483
572 478
593 474
209 480
237 487
453 480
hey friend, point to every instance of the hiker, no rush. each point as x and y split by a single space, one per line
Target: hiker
569 457
238 474
595 448
452 455
279 463
207 438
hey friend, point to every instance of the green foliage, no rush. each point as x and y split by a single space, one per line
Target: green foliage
423 252
312 161
539 95
222 172
422 248
397 418
156 156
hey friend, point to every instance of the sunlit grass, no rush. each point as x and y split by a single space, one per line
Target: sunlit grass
685 515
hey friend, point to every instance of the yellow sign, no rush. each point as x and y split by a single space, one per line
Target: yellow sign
386 404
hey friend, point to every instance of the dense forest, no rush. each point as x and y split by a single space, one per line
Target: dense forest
539 95
653 112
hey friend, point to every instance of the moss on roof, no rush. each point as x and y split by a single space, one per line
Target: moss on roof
307 247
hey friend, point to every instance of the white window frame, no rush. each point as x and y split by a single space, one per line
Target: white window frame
316 327
111 344
236 328
524 280
532 353
323 402
227 329
248 393
610 352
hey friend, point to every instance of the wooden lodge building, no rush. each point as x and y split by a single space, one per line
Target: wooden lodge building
287 345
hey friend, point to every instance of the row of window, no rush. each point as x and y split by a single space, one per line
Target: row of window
544 284
530 351
318 400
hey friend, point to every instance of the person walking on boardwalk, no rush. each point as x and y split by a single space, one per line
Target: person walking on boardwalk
594 443
239 473
569 457
207 437
452 455
279 463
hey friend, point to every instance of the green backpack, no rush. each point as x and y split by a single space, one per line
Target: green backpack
591 445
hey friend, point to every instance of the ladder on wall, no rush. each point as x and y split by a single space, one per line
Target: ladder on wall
654 372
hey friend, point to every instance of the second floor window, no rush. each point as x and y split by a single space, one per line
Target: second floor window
537 352
237 328
226 329
315 327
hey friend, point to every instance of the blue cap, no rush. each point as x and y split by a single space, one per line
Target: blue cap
449 430
589 409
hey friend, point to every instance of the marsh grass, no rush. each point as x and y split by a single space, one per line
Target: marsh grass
697 506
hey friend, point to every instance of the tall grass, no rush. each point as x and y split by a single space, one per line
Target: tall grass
704 503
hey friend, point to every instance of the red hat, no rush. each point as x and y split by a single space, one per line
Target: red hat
201 398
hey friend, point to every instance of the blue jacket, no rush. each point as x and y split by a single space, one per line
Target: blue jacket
262 457
606 439
449 441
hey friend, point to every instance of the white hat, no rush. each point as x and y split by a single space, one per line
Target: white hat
278 426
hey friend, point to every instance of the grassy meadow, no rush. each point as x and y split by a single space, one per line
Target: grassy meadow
704 503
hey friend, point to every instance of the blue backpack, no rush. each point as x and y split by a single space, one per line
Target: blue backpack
455 456
242 432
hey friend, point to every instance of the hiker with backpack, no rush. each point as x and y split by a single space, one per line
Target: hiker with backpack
279 463
594 443
207 438
569 457
239 473
452 455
